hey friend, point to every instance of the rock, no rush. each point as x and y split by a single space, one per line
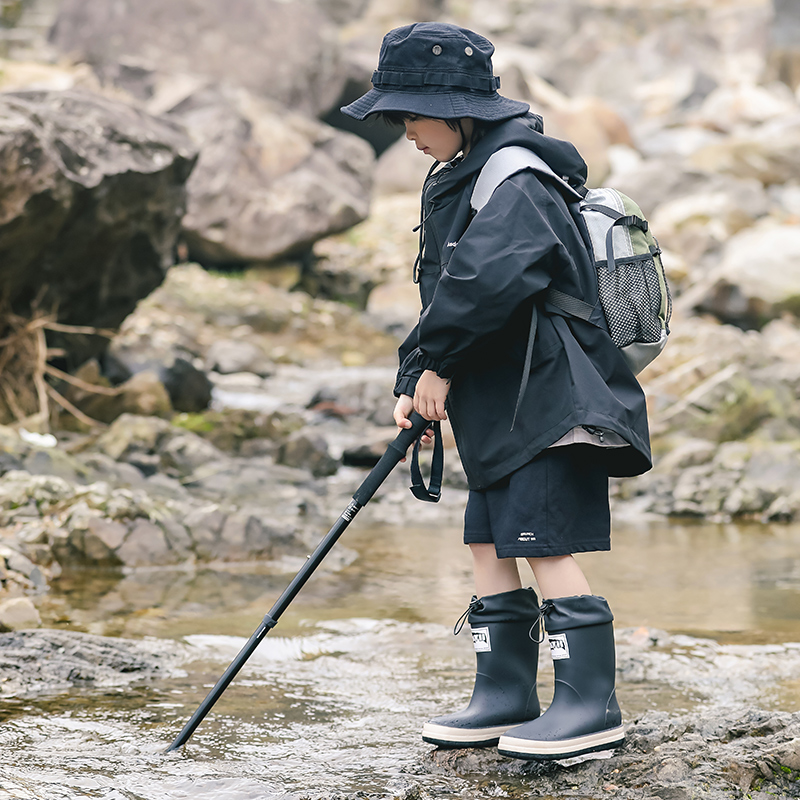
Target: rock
765 152
143 394
757 279
131 434
186 452
269 182
20 489
307 450
332 280
590 123
655 181
9 462
699 223
189 388
18 613
288 52
784 53
96 191
232 429
87 539
731 108
147 545
371 400
665 757
49 661
102 538
401 168
230 356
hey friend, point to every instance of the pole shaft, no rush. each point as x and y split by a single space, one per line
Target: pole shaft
267 623
395 451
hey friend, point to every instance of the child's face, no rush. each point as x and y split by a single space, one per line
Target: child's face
434 137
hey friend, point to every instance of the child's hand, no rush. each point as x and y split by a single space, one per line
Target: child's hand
402 409
430 396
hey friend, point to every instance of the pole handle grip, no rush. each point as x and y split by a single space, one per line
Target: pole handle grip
396 451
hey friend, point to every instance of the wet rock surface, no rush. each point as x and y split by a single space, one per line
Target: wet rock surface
49 662
714 755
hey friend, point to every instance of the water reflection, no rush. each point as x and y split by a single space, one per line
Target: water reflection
737 583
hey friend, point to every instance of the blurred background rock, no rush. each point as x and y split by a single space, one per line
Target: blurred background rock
193 234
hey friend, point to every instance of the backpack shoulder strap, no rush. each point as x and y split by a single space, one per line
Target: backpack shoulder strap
508 161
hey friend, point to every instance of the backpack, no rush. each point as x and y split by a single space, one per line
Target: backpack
632 288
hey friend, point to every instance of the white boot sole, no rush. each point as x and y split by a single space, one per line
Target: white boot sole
445 736
562 748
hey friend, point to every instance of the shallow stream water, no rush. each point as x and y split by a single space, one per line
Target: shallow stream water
333 699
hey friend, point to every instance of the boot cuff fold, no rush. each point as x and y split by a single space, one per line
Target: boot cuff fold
519 605
566 613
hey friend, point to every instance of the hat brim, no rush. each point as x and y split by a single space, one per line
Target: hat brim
437 105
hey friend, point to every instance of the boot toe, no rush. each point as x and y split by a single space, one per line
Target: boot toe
443 735
530 744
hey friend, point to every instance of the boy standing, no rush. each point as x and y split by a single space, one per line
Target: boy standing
542 404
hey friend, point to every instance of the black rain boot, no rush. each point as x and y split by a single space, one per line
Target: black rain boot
504 635
584 715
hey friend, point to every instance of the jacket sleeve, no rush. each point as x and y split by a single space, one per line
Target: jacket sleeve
411 368
510 252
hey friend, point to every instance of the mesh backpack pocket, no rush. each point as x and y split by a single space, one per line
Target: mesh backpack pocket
631 282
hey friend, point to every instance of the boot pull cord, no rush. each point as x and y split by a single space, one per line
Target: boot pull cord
544 609
475 605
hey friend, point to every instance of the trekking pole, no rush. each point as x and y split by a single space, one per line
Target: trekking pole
388 461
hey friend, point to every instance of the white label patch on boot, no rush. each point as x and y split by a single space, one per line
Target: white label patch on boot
559 648
481 640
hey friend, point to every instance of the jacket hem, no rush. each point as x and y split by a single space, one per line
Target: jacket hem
638 453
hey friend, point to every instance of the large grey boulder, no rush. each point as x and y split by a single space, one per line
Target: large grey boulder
269 182
93 192
756 280
286 51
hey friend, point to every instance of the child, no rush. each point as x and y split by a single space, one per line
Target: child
538 432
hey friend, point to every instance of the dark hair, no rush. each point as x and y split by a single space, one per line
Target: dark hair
479 127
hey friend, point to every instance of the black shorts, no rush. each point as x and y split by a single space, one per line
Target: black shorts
555 505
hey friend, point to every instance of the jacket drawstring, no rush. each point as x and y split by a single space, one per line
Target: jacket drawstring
423 218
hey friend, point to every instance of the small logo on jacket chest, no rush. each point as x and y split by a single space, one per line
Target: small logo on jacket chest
451 244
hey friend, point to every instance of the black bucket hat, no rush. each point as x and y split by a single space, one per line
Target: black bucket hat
433 69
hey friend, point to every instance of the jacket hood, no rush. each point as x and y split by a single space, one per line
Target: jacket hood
522 131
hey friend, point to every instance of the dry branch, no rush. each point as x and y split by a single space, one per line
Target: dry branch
25 393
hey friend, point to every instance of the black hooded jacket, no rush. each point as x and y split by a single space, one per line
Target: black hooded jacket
479 278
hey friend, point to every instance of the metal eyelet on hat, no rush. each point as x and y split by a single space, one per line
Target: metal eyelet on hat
469 51
436 49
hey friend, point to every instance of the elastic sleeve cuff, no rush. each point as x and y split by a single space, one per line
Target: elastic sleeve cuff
426 362
406 384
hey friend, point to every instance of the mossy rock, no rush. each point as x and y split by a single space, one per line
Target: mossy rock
228 429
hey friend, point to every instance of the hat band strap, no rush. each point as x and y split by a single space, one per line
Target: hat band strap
416 80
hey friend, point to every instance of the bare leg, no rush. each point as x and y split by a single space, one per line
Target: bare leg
559 576
492 574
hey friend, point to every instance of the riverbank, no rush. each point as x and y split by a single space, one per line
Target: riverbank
302 402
